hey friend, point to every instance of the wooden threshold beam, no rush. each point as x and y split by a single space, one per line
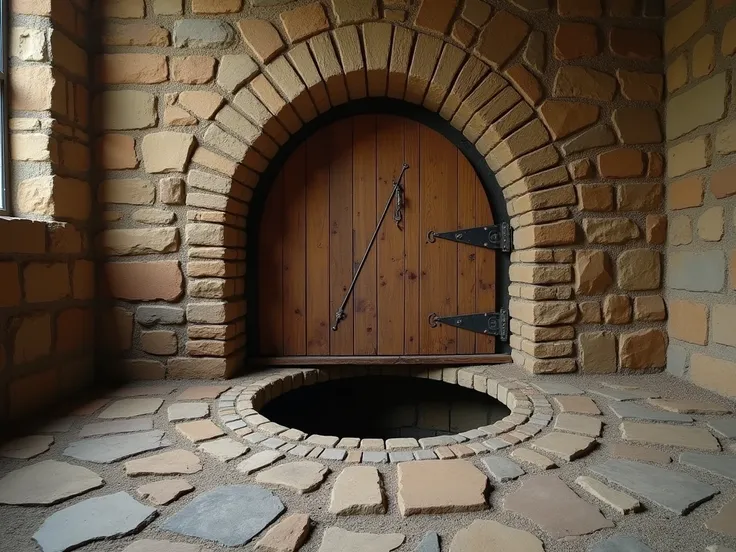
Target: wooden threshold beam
448 360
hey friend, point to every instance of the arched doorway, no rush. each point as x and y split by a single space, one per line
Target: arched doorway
316 223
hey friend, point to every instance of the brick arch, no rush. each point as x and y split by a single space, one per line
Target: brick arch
332 69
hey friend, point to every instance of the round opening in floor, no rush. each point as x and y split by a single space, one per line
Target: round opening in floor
384 407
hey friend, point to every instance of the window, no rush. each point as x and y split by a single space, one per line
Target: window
4 138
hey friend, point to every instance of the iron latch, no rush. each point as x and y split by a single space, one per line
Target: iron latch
487 323
494 236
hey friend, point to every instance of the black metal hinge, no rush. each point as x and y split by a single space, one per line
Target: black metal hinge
487 323
494 236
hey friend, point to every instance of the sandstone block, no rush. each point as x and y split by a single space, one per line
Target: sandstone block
610 230
688 156
203 33
583 82
595 197
640 44
126 109
193 69
526 83
643 87
144 281
132 69
649 308
216 6
235 71
32 338
123 9
262 38
135 34
621 163
556 233
656 229
201 103
28 44
688 321
142 241
639 269
680 27
44 282
590 312
597 136
500 38
706 102
347 11
116 152
576 40
639 197
723 182
598 352
637 125
32 88
160 342
52 196
696 270
564 118
704 56
710 224
724 318
592 272
304 22
133 191
617 309
167 151
534 53
643 349
10 294
685 193
434 16
713 373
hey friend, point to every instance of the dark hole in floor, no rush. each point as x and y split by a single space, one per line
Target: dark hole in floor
384 407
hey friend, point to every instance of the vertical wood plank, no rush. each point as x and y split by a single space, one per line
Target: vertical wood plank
294 243
318 244
390 145
341 232
364 223
439 259
270 273
485 272
467 196
413 238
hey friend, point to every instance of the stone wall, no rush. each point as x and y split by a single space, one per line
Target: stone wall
700 43
194 97
47 276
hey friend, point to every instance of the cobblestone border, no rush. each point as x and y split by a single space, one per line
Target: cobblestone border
238 410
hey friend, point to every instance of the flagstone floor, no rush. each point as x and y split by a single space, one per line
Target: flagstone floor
600 464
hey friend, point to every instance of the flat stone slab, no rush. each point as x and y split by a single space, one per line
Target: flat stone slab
175 462
200 392
723 522
552 388
144 390
224 449
259 461
576 423
358 491
230 515
685 406
621 543
430 543
287 535
105 517
130 408
187 411
725 427
434 487
717 464
624 394
634 411
487 535
674 436
576 404
621 502
336 539
676 491
640 454
302 476
555 508
502 469
565 445
530 457
47 482
201 430
89 407
150 545
26 448
116 426
104 450
165 491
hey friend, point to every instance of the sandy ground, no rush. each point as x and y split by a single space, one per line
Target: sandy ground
661 530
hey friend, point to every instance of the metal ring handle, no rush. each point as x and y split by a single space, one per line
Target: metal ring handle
430 236
433 320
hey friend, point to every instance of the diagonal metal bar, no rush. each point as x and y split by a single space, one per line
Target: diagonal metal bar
397 189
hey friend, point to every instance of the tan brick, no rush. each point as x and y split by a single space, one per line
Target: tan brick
347 11
154 216
597 352
116 152
581 169
724 321
617 309
214 312
688 321
564 118
557 233
32 88
139 241
700 105
688 156
610 230
32 339
132 191
639 269
640 44
649 308
171 191
304 22
64 238
291 87
643 349
643 87
62 198
201 103
135 34
83 280
329 66
132 69
595 197
592 272
656 229
167 151
710 225
234 71
582 82
576 40
193 69
526 83
45 282
723 182
713 373
681 230
262 38
476 12
544 313
126 109
590 312
644 196
637 125
167 7
655 164
726 137
144 281
124 9
159 342
32 147
621 163
500 38
32 7
9 284
175 116
435 16
347 42
28 44
680 27
704 56
685 193
677 73
597 136
217 6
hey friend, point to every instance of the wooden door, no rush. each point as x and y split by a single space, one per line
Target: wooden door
318 220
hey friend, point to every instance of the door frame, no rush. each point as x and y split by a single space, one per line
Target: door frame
369 106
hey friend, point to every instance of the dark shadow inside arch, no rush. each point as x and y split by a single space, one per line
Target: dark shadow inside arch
369 106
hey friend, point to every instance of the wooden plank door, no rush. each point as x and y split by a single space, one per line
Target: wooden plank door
318 220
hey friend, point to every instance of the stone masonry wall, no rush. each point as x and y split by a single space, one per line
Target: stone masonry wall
564 98
47 277
700 42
